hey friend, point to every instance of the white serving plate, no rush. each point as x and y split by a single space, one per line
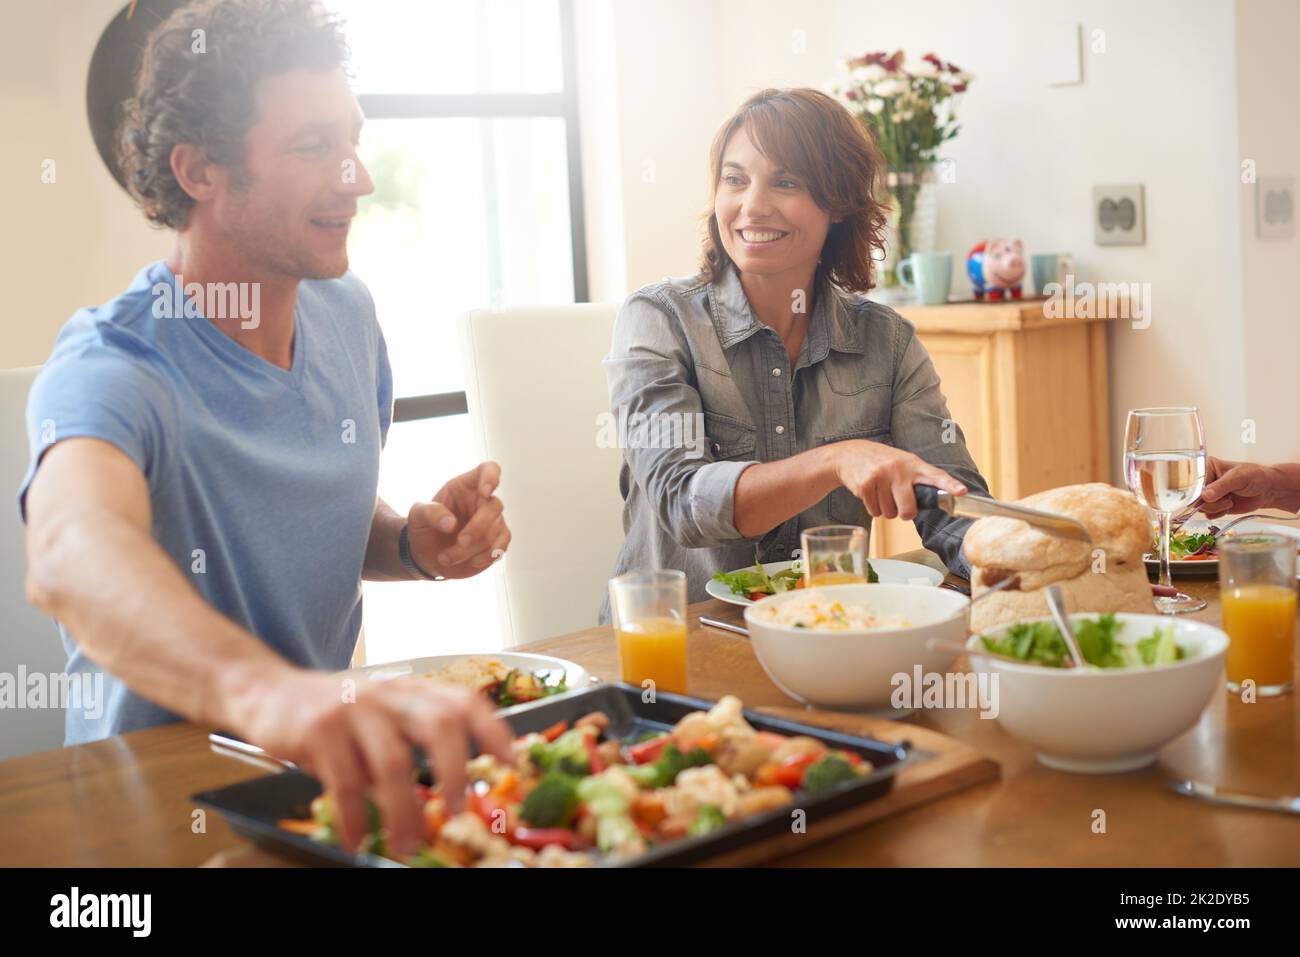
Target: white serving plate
891 572
576 677
1209 567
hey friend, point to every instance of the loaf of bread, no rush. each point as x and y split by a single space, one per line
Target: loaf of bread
1106 575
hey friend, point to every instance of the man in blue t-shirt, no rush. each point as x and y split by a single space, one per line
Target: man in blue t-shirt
201 505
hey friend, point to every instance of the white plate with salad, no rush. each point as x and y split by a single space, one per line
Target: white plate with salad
746 585
505 678
1193 549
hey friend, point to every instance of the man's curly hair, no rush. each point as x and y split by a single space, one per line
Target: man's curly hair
201 88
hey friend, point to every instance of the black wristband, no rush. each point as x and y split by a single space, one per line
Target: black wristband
408 560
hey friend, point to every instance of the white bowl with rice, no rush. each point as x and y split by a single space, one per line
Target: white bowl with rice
839 647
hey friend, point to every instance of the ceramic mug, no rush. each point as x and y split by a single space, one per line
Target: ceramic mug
1050 267
929 275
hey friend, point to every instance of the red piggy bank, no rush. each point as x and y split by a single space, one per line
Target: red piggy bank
996 267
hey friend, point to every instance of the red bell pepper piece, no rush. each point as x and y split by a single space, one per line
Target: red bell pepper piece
491 805
790 772
540 837
555 730
593 758
647 752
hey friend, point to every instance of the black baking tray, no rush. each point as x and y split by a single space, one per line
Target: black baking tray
252 808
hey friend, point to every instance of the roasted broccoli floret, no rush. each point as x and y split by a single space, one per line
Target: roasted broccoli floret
708 818
671 763
553 802
567 753
828 772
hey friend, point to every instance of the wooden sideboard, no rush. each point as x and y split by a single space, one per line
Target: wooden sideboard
1029 392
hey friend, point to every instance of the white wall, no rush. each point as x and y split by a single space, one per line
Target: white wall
1157 107
1268 104
79 240
669 92
1180 83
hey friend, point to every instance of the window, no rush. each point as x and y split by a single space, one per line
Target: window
471 138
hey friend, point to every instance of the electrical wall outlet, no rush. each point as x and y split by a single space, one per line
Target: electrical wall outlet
1119 215
1275 210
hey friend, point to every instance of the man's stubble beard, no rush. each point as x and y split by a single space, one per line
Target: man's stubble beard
263 235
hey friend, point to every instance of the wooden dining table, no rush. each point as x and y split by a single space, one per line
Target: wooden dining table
125 801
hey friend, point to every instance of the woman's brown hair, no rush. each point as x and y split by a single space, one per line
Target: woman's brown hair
817 139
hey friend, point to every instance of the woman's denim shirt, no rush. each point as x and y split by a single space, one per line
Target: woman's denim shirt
702 390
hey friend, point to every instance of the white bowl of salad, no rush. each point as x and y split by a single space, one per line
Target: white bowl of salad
839 647
1148 679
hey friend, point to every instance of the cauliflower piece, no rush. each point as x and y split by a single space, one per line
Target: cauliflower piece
726 714
524 855
617 776
468 831
693 727
555 856
520 747
800 745
505 854
697 787
485 767
741 754
629 845
764 799
724 719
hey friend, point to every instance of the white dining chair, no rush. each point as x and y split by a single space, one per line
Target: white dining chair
29 641
536 390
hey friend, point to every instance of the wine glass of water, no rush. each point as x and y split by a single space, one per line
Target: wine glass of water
1164 466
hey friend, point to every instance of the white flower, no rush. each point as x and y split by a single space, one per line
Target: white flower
925 68
871 73
875 105
888 88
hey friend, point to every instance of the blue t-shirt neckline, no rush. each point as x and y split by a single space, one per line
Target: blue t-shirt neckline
239 353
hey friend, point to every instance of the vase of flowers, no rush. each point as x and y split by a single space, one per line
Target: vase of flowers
910 111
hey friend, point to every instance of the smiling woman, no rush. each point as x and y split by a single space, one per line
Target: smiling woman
820 406
828 207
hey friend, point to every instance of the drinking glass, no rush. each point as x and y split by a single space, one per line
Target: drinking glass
834 555
1258 590
1164 466
650 624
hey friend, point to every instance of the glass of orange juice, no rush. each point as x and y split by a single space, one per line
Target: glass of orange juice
834 555
650 624
1257 588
